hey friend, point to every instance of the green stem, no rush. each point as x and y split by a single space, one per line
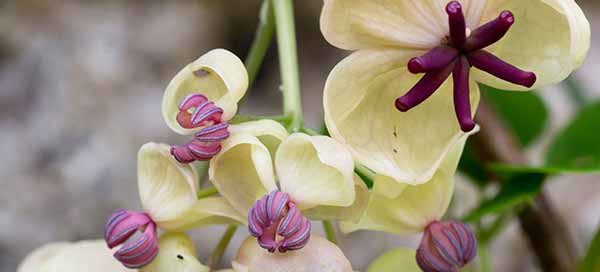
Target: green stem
207 192
288 59
262 40
310 131
215 258
575 91
329 231
365 174
485 264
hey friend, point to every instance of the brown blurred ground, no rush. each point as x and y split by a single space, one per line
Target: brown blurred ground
81 84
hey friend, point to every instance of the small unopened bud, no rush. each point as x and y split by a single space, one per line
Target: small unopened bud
446 247
205 144
278 223
136 232
197 111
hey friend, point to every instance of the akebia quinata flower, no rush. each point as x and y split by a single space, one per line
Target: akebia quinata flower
280 181
426 58
201 99
168 192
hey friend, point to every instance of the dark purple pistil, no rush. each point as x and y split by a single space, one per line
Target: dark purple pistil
456 57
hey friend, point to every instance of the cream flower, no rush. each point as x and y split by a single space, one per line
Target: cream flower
319 255
297 175
168 192
177 254
200 100
395 38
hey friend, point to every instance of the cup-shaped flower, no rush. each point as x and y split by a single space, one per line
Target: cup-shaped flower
200 100
506 42
177 254
318 255
279 181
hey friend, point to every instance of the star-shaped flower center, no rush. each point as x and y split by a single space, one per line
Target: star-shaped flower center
455 56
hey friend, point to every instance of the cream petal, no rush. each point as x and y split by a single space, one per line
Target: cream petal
362 24
416 206
319 255
167 188
549 37
89 256
359 112
206 211
219 75
350 213
401 259
315 170
243 171
269 132
176 253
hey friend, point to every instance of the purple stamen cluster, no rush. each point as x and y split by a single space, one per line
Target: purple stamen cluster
136 232
278 223
446 247
456 56
206 143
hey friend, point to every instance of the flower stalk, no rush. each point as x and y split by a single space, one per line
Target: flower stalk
288 61
329 231
261 42
217 254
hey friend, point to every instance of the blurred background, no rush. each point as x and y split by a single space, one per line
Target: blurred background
81 84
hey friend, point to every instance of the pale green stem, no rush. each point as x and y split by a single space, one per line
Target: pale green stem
262 40
215 259
575 91
365 174
485 264
329 231
240 118
288 61
207 192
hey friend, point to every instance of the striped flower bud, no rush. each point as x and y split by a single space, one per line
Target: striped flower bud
446 247
136 232
205 144
278 223
197 111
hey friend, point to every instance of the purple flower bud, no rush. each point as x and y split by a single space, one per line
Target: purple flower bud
446 247
205 144
275 215
136 232
197 111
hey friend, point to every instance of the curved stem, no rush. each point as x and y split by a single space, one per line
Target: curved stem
239 118
215 259
329 231
261 42
207 192
288 61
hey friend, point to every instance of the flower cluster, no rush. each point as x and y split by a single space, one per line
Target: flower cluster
380 114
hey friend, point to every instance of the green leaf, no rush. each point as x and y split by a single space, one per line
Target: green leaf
577 147
516 190
524 112
591 262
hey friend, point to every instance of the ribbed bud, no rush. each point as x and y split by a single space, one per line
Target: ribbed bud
205 144
197 111
446 247
136 232
278 223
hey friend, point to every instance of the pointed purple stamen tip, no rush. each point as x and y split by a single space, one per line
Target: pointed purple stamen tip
136 233
446 246
275 215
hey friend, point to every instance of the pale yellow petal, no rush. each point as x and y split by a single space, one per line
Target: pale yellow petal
401 259
362 24
359 112
89 256
416 205
351 213
315 170
206 211
219 75
269 132
549 37
167 188
319 255
243 171
176 253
